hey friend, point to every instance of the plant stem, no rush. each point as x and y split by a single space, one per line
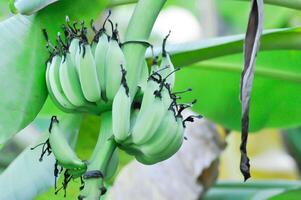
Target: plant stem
100 159
139 28
294 4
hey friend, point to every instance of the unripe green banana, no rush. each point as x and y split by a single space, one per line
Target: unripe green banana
73 48
148 96
121 113
87 73
145 159
112 166
166 63
148 121
100 60
176 144
144 76
61 149
163 136
166 153
54 84
114 59
70 82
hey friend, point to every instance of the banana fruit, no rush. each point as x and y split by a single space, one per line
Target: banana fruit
87 73
114 62
54 85
100 60
61 149
70 82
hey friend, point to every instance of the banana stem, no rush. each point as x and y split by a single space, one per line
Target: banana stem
139 28
100 159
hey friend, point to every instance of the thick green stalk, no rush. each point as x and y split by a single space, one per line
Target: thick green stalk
139 28
294 4
100 158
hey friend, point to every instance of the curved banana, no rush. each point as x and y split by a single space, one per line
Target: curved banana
62 150
121 113
166 153
74 45
176 144
100 60
54 84
148 122
148 96
166 63
87 73
113 62
163 136
70 82
144 76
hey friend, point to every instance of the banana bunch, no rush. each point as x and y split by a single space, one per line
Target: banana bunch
84 77
151 129
91 77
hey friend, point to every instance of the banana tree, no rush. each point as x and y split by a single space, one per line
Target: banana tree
131 87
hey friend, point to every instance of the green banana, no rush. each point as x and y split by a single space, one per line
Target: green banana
148 121
100 60
166 63
87 73
70 82
55 87
163 136
166 153
176 144
121 113
148 96
144 76
61 149
113 61
74 45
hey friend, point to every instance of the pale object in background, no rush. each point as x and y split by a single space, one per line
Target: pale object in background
186 175
268 157
183 24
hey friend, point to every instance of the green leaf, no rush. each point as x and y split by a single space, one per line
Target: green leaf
22 74
23 63
275 101
293 194
190 53
236 21
256 190
26 177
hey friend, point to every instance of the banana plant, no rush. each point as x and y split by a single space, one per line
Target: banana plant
136 90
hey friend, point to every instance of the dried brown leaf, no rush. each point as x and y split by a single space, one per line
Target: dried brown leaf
252 40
